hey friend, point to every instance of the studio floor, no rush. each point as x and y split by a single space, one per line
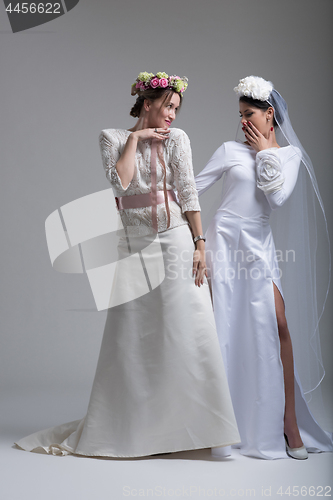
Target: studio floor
191 474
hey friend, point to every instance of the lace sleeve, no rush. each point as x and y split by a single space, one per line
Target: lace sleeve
183 174
110 151
277 180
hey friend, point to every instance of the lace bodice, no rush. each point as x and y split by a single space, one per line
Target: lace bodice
179 176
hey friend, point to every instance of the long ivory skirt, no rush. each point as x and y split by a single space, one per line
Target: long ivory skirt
160 384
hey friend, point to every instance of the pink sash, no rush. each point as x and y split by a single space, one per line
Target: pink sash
143 200
153 184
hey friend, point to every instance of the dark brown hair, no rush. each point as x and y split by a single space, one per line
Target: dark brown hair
263 105
152 95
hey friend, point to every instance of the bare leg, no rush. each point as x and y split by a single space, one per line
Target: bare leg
290 423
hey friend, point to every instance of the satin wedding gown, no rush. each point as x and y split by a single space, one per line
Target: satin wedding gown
242 265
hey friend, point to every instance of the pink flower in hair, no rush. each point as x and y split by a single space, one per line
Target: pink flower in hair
138 85
164 83
154 82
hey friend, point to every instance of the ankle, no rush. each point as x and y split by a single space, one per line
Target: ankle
290 424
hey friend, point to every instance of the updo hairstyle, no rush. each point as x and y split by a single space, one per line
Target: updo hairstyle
263 105
152 95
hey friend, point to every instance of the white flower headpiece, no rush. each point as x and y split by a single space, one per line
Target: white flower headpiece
255 87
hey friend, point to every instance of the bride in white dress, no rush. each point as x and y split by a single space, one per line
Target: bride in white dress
259 176
160 384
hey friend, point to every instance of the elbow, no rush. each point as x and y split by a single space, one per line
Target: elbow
277 198
124 180
276 202
201 189
201 184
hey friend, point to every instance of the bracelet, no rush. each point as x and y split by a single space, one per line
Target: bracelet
197 238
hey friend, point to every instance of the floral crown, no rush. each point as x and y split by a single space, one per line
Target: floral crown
255 87
161 80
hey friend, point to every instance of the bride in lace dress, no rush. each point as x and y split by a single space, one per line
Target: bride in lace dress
160 384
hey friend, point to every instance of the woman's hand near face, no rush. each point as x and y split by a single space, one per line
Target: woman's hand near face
256 139
149 133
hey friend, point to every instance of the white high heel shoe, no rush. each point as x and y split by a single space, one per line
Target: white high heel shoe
221 451
298 453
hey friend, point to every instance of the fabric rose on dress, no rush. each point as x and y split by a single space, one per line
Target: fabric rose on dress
255 87
163 83
270 178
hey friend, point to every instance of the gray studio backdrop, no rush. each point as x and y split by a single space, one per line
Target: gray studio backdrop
62 82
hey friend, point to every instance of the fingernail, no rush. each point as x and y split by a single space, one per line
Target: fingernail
271 129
